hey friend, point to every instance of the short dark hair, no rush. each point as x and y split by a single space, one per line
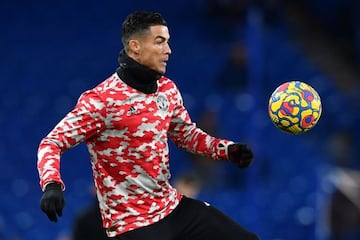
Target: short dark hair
139 22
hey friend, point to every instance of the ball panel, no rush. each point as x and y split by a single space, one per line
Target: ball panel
294 107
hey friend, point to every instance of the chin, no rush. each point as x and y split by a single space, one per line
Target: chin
161 71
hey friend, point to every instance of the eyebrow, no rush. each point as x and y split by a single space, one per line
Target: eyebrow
160 37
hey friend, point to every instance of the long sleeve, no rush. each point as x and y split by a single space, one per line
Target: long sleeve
188 136
84 121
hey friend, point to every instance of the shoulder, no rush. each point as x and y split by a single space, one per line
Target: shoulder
170 89
166 83
112 83
112 88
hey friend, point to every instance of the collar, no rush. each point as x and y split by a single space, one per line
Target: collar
137 75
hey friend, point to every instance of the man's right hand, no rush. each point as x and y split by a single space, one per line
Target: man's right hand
52 202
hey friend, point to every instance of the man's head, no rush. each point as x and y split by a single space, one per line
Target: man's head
145 37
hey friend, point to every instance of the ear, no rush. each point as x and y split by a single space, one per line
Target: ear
134 46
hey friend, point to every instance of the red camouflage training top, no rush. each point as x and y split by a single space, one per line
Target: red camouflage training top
126 132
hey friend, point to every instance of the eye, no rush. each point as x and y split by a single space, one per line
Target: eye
161 41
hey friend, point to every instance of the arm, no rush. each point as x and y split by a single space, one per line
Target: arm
83 122
186 135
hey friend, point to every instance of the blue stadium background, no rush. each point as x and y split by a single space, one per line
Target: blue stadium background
52 51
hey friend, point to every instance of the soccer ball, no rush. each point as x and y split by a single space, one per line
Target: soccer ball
295 107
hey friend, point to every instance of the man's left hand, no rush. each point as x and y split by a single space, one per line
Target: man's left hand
240 154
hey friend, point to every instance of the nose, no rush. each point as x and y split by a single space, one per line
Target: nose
167 49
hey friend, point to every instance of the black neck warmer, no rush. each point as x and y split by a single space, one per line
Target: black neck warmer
136 75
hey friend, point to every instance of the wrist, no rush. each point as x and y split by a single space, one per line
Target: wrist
232 150
222 150
52 186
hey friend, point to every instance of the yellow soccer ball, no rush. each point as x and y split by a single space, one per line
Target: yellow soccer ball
295 107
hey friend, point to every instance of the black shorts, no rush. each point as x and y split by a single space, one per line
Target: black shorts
191 220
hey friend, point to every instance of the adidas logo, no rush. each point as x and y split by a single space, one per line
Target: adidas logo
132 110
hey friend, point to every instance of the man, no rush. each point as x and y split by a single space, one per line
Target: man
126 122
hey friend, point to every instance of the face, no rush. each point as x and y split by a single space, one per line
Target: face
152 49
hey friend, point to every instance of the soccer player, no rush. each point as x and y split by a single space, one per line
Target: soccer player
126 121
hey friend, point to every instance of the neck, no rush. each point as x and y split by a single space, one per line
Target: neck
137 75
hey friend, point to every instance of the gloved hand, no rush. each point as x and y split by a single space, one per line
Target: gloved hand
52 202
240 154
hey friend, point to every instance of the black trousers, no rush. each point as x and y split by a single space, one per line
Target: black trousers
191 220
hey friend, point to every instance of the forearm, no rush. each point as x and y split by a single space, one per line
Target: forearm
48 163
63 137
193 139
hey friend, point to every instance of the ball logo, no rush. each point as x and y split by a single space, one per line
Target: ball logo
162 102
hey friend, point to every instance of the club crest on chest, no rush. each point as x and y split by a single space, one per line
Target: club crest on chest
162 102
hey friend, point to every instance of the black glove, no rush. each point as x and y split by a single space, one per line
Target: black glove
240 154
52 202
